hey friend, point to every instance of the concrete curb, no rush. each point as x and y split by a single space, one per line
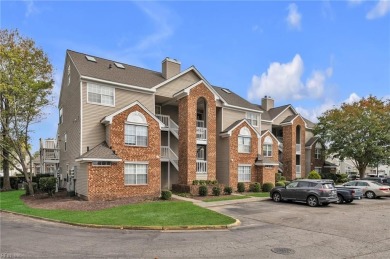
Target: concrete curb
161 228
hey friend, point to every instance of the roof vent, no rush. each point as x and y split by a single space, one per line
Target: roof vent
89 58
119 65
226 90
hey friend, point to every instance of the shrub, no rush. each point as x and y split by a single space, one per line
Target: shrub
278 177
267 187
214 182
228 190
280 183
328 175
254 187
241 187
25 186
202 182
208 182
314 175
203 190
48 184
166 195
282 178
216 191
195 182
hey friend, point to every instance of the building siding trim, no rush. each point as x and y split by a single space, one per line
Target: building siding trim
132 87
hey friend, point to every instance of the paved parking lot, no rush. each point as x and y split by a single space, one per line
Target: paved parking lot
269 230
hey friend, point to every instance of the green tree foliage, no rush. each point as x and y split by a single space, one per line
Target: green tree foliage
26 82
314 175
359 131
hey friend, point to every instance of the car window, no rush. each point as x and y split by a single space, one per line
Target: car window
292 185
362 184
313 184
303 184
353 183
327 186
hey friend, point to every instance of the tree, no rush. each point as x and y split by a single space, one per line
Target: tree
359 131
25 87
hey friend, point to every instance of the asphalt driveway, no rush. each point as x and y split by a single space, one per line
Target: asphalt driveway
269 230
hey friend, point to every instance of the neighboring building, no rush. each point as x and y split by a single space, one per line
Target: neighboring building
127 131
49 157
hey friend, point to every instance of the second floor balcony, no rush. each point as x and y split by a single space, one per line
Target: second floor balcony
201 132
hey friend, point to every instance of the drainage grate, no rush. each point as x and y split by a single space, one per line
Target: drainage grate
282 250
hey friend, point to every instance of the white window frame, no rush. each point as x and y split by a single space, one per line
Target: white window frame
136 135
251 117
243 137
157 109
317 153
140 165
244 173
101 88
267 147
61 112
102 163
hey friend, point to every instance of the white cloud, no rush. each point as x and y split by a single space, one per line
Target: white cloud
353 97
380 9
355 2
31 8
284 81
314 113
294 17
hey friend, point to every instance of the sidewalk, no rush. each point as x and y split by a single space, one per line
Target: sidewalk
219 203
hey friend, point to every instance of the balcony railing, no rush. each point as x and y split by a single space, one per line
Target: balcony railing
298 171
164 119
201 167
201 133
298 149
200 123
51 154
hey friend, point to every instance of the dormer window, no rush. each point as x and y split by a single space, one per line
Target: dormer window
244 141
99 94
252 118
136 130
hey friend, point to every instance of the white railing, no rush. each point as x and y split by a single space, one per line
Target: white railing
52 154
173 157
201 167
174 127
164 152
201 133
298 148
164 119
199 123
298 171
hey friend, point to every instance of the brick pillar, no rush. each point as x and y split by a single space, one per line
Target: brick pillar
289 152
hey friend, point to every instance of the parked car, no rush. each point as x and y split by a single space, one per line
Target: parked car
382 180
353 176
370 189
312 192
347 195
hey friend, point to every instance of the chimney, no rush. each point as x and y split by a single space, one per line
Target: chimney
267 103
170 67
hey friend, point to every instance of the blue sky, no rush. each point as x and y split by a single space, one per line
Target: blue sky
311 54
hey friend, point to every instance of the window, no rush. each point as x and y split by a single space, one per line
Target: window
136 130
136 174
101 163
244 141
61 120
200 153
100 94
89 58
244 173
119 65
226 90
267 147
252 118
157 109
65 139
317 151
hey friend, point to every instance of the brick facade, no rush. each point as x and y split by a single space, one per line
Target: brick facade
289 149
267 174
107 182
187 134
237 158
314 162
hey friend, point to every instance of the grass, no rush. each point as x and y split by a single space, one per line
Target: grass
258 194
164 213
225 198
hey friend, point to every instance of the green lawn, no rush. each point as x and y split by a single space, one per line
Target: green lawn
164 213
225 198
258 194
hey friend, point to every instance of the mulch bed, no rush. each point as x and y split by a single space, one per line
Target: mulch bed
61 201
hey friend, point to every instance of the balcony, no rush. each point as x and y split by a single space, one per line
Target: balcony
167 154
298 171
169 124
201 170
201 132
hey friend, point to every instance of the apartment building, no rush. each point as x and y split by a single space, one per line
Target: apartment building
126 131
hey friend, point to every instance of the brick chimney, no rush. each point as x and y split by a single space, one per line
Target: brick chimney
170 67
267 103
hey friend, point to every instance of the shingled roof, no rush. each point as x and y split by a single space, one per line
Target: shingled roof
100 152
235 100
107 70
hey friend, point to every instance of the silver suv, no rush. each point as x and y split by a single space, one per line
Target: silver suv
313 192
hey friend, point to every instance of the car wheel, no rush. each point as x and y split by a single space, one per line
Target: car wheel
370 195
312 201
340 199
325 204
348 201
276 197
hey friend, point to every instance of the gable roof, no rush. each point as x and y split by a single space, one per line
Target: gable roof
100 152
309 124
275 112
108 119
130 75
311 141
289 118
235 100
228 131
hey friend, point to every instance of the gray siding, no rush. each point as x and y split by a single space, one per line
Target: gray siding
282 116
266 126
308 134
93 130
70 103
230 116
82 180
178 84
223 160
